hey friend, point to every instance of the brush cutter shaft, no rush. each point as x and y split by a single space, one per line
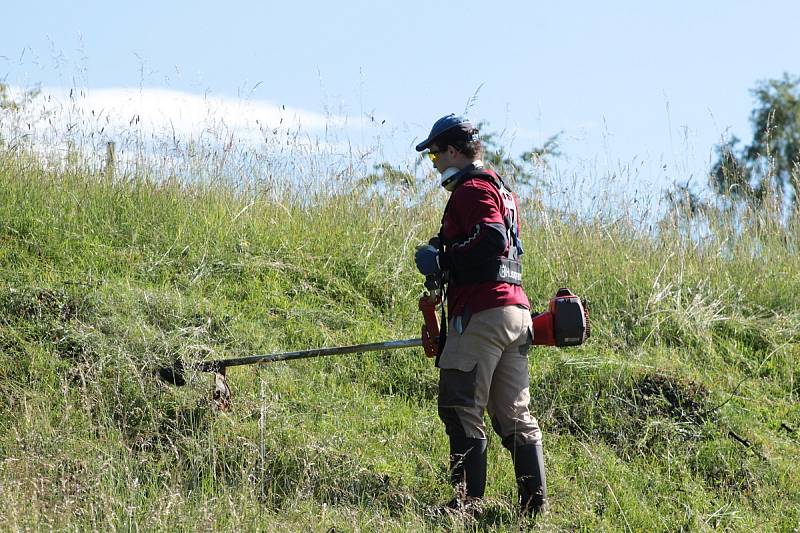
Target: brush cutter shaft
214 366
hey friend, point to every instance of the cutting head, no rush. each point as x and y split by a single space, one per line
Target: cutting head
172 374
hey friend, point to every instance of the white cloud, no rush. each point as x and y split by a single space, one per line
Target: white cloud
160 111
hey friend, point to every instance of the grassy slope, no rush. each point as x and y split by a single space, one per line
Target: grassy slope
100 283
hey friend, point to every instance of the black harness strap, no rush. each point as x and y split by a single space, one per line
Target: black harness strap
506 269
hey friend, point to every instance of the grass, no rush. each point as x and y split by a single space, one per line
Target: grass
681 413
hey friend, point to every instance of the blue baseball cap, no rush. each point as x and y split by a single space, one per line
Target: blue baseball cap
442 125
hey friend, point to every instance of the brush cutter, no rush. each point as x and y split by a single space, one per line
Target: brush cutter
565 323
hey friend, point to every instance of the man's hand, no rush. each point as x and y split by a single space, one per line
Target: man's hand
427 259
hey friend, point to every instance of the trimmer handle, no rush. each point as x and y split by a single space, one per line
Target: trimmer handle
430 326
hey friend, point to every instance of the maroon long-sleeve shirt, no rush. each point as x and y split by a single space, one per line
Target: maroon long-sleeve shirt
474 229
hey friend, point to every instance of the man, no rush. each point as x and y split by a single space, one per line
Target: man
484 361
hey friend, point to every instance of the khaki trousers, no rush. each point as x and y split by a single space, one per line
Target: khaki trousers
484 366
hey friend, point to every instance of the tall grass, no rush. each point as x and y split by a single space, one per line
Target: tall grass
681 413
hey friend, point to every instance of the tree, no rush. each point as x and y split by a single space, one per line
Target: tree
519 170
771 163
389 176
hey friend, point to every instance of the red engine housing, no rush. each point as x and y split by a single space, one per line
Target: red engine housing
565 323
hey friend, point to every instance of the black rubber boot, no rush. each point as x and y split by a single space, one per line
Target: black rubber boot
468 467
529 469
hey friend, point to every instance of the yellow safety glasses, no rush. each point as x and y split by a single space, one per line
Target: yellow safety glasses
434 155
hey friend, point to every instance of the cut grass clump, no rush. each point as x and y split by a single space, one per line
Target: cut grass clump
682 400
39 304
636 413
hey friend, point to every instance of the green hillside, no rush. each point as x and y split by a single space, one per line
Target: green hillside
681 413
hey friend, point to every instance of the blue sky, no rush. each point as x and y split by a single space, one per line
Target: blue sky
642 85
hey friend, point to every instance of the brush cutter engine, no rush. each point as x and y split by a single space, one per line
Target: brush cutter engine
565 323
